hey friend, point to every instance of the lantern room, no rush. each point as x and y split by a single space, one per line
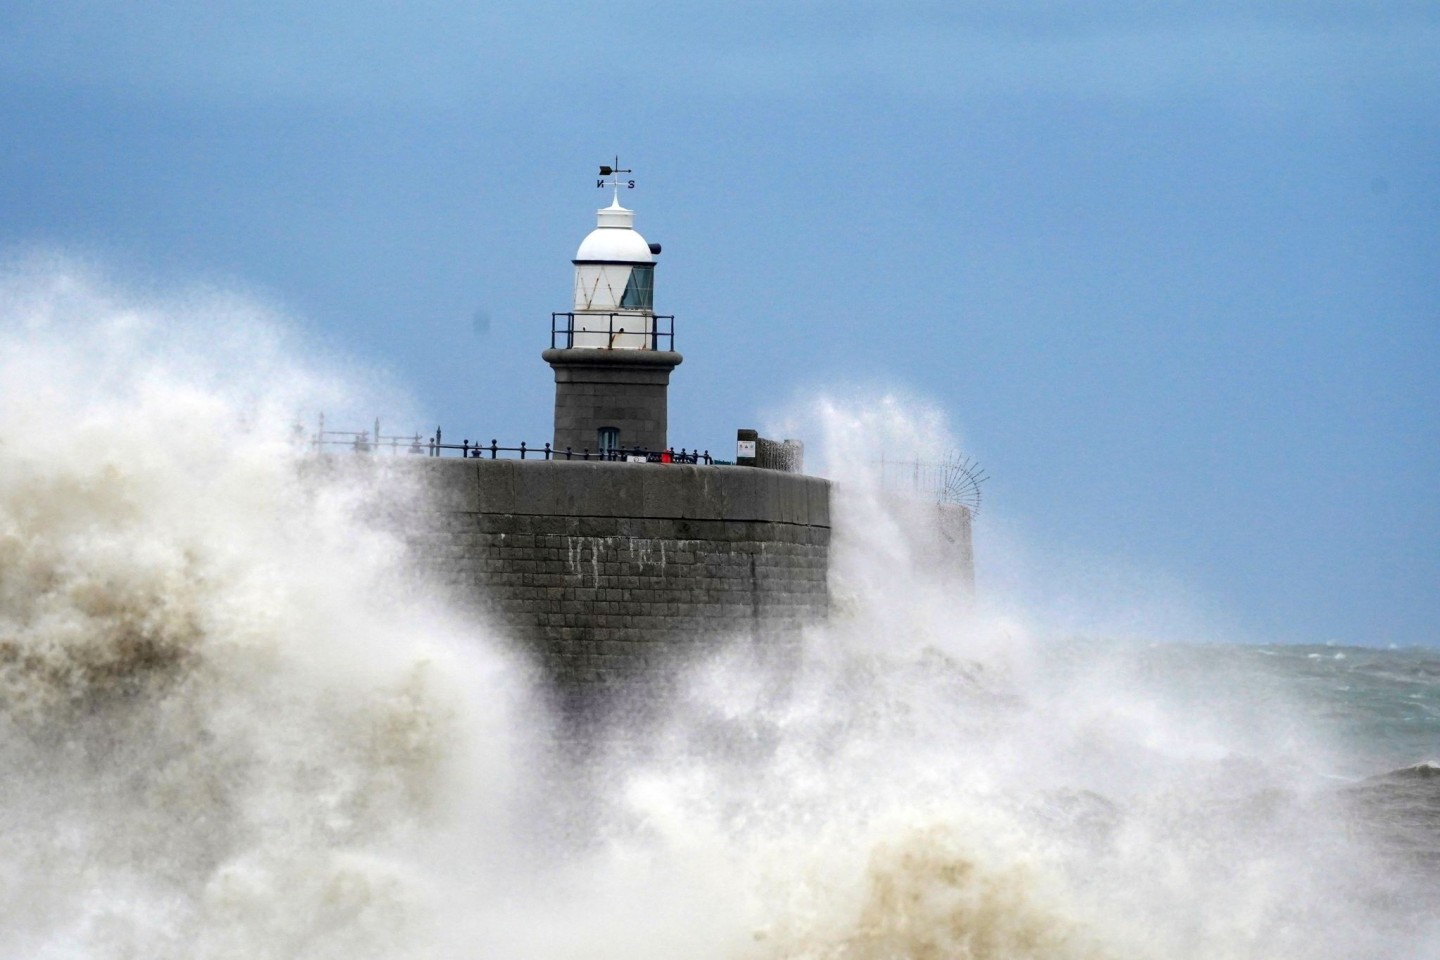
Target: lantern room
614 301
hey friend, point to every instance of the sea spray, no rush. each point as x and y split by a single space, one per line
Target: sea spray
232 722
238 722
934 781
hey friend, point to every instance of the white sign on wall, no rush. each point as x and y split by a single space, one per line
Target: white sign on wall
744 448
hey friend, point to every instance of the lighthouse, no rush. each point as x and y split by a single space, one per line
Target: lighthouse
611 353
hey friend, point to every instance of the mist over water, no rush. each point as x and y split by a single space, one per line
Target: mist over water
236 723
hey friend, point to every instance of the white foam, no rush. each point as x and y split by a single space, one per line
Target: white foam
236 725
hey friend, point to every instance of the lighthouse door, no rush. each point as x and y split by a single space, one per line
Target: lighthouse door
608 441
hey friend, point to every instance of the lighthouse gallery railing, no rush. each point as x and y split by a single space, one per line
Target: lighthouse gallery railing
662 331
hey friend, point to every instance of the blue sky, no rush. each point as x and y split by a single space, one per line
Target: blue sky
1171 270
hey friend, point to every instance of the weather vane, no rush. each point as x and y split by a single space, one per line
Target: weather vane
614 174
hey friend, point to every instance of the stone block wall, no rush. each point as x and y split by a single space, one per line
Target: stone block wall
623 389
612 573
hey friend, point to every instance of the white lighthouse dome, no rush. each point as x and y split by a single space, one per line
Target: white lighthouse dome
614 239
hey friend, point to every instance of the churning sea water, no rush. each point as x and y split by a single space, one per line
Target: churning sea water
235 722
1380 706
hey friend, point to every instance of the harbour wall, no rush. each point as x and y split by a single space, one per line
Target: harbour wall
609 573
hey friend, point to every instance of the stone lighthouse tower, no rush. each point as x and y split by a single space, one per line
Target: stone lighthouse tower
611 353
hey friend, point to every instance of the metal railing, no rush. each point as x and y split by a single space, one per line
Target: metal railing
563 329
955 480
912 476
367 441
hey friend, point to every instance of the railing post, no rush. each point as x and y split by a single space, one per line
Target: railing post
493 448
547 450
522 449
567 453
465 449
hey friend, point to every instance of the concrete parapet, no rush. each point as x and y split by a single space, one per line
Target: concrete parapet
613 574
600 489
